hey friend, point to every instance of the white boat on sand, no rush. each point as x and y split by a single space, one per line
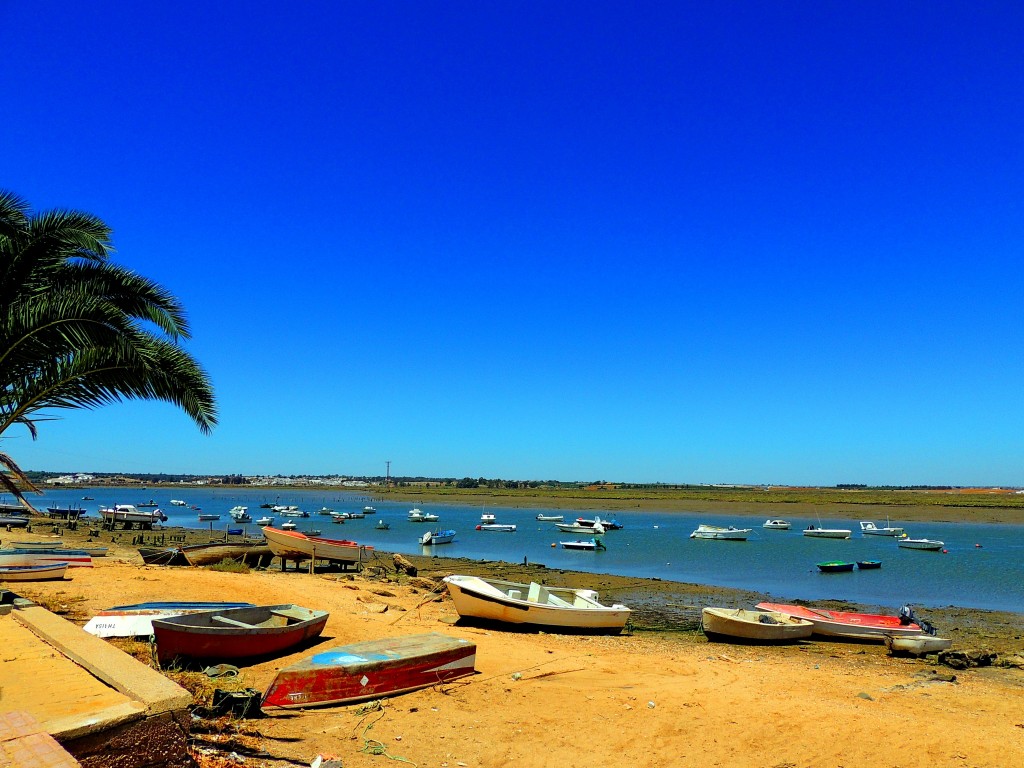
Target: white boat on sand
137 620
753 626
533 604
917 646
718 532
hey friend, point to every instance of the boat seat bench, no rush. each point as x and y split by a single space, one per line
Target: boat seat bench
232 622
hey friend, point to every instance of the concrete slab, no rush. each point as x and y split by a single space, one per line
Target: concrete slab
102 705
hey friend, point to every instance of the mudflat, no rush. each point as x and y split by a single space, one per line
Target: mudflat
658 695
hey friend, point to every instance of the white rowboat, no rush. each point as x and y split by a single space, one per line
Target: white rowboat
535 604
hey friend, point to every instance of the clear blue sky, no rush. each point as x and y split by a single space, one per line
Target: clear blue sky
772 242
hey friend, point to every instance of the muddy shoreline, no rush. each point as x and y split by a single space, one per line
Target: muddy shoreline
659 606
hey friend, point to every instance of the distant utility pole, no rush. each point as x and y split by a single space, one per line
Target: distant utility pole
387 479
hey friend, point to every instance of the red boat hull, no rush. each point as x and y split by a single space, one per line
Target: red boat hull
861 626
372 669
197 636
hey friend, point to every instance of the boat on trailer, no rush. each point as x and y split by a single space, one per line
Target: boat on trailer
854 626
236 633
137 620
535 604
372 669
294 545
753 626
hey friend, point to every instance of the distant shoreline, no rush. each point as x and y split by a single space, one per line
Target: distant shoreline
894 512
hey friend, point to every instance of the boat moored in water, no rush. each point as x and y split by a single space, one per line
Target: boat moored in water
931 545
721 533
827 533
437 537
775 524
868 528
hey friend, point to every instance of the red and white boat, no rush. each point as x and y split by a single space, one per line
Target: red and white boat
372 669
295 545
74 558
236 633
855 626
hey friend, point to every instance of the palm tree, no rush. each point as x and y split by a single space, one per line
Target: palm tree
77 331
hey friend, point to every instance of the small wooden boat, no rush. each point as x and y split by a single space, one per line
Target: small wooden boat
720 533
372 669
836 566
44 572
497 527
592 545
293 545
163 556
236 633
868 528
776 524
867 565
137 620
753 626
550 518
855 626
437 537
535 604
931 545
827 533
249 552
917 646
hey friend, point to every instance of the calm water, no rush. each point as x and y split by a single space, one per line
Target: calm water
656 544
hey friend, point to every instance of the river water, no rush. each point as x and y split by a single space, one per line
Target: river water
983 566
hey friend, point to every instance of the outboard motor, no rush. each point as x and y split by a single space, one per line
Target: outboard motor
907 615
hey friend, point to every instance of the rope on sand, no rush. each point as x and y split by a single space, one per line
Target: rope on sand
372 746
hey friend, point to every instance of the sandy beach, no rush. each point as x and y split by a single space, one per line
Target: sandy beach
659 695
